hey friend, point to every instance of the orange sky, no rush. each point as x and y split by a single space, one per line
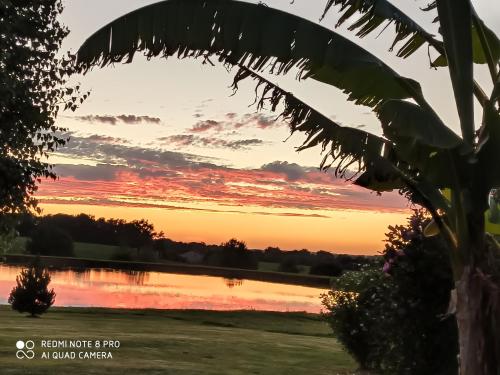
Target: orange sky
193 197
345 231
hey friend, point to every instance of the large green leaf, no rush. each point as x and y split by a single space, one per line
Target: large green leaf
375 13
348 150
477 48
255 36
456 24
421 139
488 152
381 176
401 119
351 151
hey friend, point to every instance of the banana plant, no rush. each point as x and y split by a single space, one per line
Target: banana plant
418 154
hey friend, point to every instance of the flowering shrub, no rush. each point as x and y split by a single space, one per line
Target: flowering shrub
392 319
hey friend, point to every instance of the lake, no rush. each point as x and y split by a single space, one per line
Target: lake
99 287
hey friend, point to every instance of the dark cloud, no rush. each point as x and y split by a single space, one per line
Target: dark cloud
111 202
99 172
232 122
132 119
194 140
183 177
133 156
106 139
206 125
292 171
113 120
244 143
180 139
260 121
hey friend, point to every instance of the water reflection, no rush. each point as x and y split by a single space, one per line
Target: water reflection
139 289
231 283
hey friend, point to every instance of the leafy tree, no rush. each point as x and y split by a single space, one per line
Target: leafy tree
235 253
33 86
137 234
50 240
31 294
418 154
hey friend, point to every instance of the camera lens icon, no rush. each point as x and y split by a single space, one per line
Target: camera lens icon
25 354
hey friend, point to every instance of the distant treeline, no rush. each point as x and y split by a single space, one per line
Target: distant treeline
141 236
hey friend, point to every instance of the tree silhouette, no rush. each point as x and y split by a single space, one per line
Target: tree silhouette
235 254
31 294
50 240
33 88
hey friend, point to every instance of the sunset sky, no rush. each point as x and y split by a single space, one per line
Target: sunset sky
166 141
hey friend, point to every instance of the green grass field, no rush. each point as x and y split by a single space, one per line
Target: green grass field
177 342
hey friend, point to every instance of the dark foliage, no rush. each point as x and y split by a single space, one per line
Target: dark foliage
233 254
33 77
142 236
289 265
396 322
135 234
50 240
31 294
121 256
326 269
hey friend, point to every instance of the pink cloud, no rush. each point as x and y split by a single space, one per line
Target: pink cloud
224 187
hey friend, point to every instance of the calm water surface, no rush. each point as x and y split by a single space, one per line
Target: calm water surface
134 289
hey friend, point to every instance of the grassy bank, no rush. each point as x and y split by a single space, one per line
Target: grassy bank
178 342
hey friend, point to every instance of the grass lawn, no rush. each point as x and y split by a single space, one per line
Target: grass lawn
177 342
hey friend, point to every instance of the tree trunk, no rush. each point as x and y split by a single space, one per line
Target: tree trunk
478 319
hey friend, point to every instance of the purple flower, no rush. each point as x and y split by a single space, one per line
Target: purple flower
387 267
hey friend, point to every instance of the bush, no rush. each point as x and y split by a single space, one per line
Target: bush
31 293
50 240
395 322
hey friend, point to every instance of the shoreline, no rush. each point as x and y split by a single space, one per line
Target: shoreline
162 312
52 262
